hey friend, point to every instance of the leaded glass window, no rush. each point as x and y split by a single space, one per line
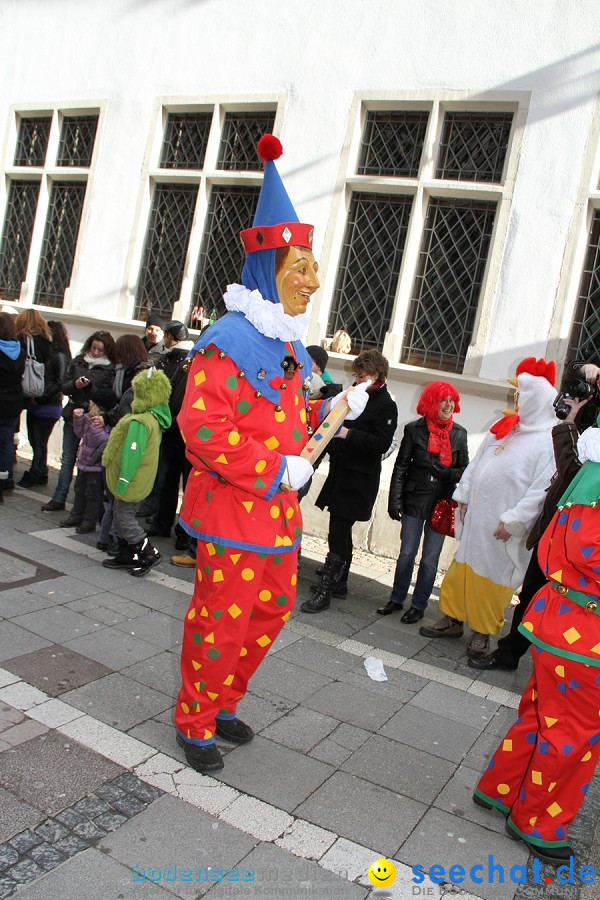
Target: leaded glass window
241 132
452 261
77 136
185 140
16 237
474 146
221 256
32 142
164 255
392 143
370 265
585 335
60 241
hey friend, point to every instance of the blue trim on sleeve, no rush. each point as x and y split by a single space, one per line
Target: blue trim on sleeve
238 545
276 481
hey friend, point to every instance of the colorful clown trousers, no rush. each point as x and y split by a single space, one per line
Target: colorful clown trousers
540 773
240 603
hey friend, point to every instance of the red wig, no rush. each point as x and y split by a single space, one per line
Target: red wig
432 394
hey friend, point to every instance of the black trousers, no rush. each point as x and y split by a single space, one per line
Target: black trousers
88 504
340 537
173 467
511 648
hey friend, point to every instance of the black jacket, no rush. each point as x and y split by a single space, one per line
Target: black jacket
100 377
173 364
44 352
350 489
54 375
416 485
568 464
11 384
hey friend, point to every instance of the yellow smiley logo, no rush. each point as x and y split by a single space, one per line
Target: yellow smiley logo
382 873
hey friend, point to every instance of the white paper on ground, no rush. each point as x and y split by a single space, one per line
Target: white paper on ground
375 669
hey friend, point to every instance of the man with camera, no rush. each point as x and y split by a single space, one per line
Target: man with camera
577 405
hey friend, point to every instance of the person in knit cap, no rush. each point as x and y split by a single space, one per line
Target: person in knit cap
154 336
540 773
245 419
500 495
131 460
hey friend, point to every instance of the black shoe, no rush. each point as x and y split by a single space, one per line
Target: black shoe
100 545
340 590
123 559
490 662
70 523
182 542
86 529
6 485
26 480
390 607
145 557
333 572
53 506
412 615
552 855
234 730
202 759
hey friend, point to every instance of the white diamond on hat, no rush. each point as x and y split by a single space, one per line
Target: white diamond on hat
286 234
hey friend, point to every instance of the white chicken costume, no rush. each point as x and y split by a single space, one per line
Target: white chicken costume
505 483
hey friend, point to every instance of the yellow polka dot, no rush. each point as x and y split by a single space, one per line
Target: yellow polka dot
527 625
302 415
207 734
560 671
243 652
260 466
286 616
503 789
233 438
289 512
198 574
185 708
279 415
247 574
586 756
294 578
192 614
532 821
274 512
228 680
265 596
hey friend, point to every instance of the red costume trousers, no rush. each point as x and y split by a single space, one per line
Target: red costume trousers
540 772
240 603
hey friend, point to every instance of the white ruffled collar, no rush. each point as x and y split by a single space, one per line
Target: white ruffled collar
268 318
588 445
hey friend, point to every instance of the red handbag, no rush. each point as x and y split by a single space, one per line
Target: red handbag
442 517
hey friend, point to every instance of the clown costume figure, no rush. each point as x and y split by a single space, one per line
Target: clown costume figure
500 496
245 418
540 773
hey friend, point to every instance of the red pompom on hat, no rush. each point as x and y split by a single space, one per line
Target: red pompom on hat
538 367
269 147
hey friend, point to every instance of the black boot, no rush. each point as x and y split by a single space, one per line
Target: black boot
145 556
123 559
333 568
340 588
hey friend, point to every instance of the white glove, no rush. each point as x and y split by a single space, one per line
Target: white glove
357 399
297 472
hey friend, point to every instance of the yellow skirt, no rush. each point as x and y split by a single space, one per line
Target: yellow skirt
474 599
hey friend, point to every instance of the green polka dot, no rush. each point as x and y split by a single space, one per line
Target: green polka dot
325 425
197 637
296 435
195 523
213 653
281 600
204 433
242 407
297 531
231 382
223 712
259 483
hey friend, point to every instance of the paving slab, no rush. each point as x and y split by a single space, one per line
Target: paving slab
457 798
92 875
301 729
398 767
15 641
379 634
16 814
454 704
51 772
118 701
172 832
401 685
363 812
286 679
262 769
446 840
112 648
57 623
353 705
278 873
428 731
318 658
263 707
56 669
163 631
161 672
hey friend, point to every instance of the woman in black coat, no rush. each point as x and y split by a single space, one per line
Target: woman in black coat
431 459
351 487
12 363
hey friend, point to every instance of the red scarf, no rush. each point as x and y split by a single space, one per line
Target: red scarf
439 438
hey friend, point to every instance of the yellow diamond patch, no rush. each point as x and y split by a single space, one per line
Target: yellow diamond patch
218 575
571 635
234 611
536 777
210 549
507 745
272 443
200 377
554 809
263 641
595 649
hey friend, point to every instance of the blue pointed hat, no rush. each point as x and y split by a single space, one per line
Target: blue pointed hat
275 222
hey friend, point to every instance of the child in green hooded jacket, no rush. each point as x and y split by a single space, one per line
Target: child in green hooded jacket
131 461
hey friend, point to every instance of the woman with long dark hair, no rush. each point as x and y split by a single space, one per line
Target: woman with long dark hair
430 462
12 363
31 326
93 368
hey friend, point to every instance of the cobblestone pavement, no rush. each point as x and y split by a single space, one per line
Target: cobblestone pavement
96 799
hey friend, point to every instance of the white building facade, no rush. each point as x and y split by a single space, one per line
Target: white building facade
447 152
